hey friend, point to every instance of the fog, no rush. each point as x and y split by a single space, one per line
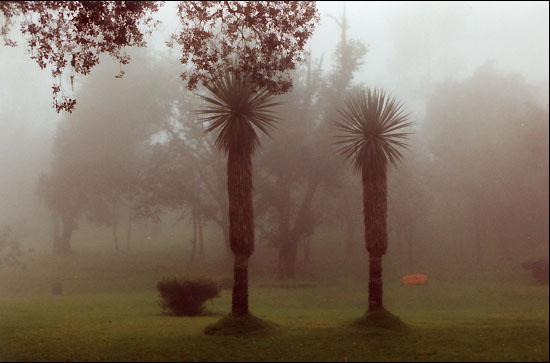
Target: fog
129 183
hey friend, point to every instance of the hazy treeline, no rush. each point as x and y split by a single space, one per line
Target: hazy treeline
131 168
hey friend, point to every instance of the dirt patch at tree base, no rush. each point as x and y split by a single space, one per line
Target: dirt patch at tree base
381 319
239 325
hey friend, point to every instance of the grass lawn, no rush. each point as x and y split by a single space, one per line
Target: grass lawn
450 321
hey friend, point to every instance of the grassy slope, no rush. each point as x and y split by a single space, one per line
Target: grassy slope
107 315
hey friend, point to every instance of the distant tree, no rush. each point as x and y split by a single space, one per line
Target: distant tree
114 139
63 192
343 210
293 173
179 175
254 45
99 148
283 200
371 126
10 250
349 56
495 160
409 200
183 172
338 182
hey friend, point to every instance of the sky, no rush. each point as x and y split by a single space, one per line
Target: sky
451 39
414 45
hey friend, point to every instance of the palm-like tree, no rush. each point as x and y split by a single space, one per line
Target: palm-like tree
371 126
236 110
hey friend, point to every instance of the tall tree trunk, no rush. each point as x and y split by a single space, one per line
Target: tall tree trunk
239 303
375 209
281 273
375 282
55 233
200 236
290 262
62 245
155 230
283 232
129 233
241 220
302 227
194 239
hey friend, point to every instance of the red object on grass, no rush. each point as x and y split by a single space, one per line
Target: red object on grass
415 279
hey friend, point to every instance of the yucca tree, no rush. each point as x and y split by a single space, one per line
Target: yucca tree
236 110
371 126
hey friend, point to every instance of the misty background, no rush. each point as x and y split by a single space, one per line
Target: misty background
474 76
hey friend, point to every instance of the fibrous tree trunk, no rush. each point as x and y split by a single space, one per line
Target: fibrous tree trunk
241 221
375 282
239 303
376 240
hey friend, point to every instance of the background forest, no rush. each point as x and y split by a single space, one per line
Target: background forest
238 154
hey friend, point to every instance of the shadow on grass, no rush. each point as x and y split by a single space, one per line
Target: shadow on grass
381 321
240 326
204 314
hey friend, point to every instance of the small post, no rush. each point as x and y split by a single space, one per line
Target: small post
57 288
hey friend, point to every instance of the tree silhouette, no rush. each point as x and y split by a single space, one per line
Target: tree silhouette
371 128
242 52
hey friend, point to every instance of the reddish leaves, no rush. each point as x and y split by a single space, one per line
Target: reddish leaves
263 39
73 34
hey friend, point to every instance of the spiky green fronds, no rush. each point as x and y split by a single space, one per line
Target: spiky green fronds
235 108
372 124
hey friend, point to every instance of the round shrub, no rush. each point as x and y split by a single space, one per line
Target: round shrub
186 296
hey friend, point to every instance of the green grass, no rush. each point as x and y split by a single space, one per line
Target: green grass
488 319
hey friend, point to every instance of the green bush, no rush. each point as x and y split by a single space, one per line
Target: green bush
186 296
